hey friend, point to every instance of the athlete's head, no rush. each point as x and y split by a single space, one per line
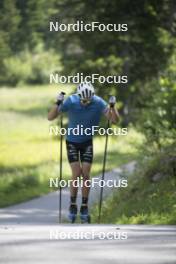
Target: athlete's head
86 91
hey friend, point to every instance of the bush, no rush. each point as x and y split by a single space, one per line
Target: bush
18 69
158 114
30 68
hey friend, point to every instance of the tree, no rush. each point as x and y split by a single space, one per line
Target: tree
9 22
141 53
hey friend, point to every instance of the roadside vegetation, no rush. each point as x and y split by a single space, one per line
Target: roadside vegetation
150 195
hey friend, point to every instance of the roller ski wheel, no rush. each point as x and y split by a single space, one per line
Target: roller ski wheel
84 215
72 213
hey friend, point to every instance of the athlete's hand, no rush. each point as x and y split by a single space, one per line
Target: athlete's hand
112 101
60 98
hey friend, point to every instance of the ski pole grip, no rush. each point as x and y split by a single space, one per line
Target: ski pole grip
60 98
112 100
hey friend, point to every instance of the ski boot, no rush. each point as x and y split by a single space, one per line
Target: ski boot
72 213
84 214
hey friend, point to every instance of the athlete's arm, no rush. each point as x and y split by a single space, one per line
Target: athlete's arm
53 113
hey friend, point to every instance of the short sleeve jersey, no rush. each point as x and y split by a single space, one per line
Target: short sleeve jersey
85 115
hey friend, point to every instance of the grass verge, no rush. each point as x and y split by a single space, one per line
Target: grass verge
149 197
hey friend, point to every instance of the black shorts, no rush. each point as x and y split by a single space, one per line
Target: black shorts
80 151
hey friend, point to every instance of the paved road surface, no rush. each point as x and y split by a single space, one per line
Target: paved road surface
36 244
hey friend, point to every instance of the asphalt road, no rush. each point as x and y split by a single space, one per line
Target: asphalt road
78 244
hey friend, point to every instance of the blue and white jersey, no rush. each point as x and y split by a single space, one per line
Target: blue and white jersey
85 115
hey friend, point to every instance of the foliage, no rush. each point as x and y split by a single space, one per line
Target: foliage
142 53
145 201
31 67
157 115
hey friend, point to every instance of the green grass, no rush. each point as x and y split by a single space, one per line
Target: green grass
144 201
29 156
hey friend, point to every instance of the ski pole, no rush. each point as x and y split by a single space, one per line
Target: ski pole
103 173
60 172
112 101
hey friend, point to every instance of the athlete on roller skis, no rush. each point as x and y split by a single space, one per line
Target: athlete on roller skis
83 108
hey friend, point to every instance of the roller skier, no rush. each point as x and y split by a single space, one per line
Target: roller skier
83 108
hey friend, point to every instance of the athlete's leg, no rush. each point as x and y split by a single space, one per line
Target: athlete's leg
76 173
86 168
86 156
84 212
73 158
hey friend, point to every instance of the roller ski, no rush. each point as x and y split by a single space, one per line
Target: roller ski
84 214
72 213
